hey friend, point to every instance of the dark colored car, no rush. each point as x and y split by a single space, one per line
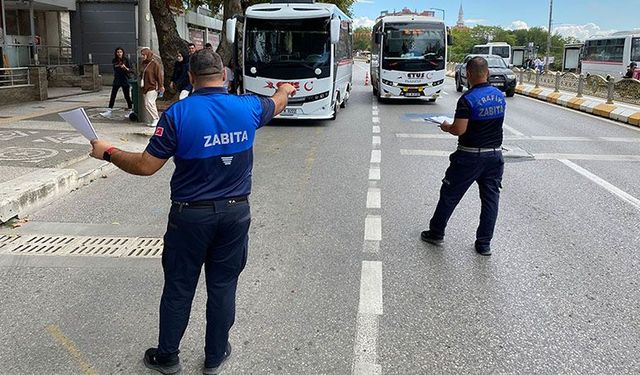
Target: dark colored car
500 75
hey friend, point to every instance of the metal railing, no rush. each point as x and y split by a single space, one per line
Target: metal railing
21 55
10 77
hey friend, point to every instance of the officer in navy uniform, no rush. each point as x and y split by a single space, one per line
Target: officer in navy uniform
210 136
478 124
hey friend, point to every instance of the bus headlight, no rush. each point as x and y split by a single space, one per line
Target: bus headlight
511 76
389 83
438 83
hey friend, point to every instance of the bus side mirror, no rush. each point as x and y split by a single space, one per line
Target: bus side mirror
377 38
335 31
449 39
231 30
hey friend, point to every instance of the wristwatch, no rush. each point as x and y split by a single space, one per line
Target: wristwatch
107 154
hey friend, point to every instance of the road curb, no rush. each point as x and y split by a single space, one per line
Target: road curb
592 106
22 195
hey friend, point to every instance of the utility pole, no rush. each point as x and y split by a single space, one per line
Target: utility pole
144 40
546 59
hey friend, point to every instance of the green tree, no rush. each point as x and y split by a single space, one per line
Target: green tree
362 38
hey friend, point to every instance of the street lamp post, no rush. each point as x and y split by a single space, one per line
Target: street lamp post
546 60
442 10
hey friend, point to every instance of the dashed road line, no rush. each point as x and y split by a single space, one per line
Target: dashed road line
376 140
374 198
373 228
376 129
376 120
376 156
374 173
371 288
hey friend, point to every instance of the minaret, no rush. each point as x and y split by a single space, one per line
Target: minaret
460 22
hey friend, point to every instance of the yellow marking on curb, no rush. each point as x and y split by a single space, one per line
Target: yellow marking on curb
634 119
535 92
575 103
553 97
70 346
603 109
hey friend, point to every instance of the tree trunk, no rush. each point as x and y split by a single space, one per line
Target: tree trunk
169 40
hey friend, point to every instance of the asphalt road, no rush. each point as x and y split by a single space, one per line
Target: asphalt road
338 281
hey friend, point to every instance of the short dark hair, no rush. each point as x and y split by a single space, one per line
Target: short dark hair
208 45
478 65
190 44
205 62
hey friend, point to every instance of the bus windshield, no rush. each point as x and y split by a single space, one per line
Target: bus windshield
413 47
288 48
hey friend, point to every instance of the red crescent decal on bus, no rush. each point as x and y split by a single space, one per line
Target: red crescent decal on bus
308 86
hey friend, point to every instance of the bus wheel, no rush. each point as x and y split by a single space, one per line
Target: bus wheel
375 91
336 107
347 94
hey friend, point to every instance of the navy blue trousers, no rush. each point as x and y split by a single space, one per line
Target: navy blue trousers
486 169
216 237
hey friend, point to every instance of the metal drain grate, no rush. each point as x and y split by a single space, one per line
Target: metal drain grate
8 241
104 246
43 245
146 247
81 246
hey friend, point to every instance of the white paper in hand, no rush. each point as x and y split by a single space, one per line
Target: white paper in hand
80 121
439 119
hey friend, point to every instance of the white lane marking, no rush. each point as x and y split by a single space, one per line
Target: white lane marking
375 107
376 156
376 140
374 198
592 116
374 112
425 152
376 129
376 120
366 346
528 138
609 187
511 130
373 228
535 156
371 288
374 173
588 157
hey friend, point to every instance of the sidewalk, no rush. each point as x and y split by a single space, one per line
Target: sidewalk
597 106
43 158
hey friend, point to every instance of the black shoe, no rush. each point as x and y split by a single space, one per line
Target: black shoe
483 250
167 366
215 370
428 237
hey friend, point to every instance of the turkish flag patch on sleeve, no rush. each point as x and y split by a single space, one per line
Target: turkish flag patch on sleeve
159 131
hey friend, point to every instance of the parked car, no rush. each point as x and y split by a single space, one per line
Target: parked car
500 75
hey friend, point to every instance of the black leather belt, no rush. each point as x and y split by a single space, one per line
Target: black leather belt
476 150
208 204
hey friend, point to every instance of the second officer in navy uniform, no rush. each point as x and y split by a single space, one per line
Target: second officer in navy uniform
210 136
478 124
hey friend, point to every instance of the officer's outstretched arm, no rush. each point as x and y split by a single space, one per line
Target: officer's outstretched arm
281 97
137 163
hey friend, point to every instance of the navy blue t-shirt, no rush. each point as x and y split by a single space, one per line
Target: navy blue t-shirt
210 135
484 106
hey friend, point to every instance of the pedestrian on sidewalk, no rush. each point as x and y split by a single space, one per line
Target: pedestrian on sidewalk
478 125
121 71
152 78
180 79
192 48
210 136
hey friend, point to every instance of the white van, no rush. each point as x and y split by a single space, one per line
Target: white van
501 49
